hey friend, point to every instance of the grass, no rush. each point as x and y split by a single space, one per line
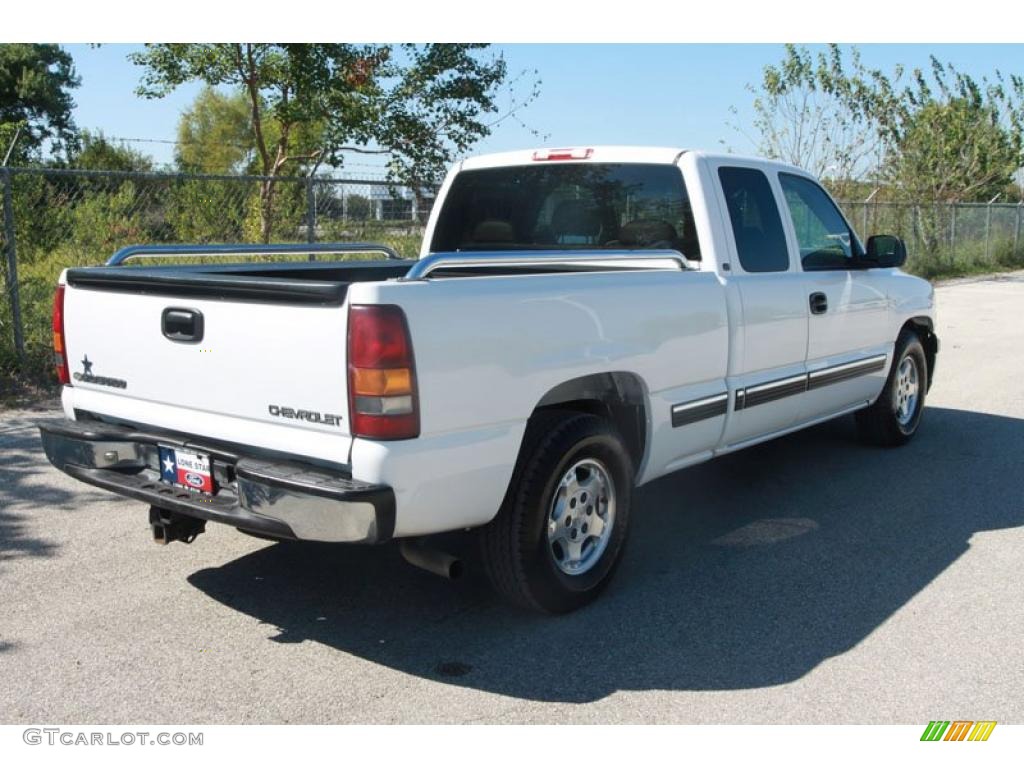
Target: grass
968 260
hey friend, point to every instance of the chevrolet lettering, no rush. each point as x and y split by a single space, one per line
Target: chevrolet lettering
330 419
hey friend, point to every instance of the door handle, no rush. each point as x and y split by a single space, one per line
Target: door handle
184 325
819 303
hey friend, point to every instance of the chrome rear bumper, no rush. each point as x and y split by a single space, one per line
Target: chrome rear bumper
280 498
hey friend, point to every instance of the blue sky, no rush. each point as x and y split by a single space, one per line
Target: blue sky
677 95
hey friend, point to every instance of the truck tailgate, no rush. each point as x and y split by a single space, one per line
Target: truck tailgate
259 359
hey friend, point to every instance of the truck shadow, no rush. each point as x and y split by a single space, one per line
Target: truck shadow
745 572
23 488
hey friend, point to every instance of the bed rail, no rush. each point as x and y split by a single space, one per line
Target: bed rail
243 250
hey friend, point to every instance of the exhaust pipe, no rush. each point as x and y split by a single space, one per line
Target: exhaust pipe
170 526
433 560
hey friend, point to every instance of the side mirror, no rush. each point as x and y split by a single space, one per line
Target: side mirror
885 251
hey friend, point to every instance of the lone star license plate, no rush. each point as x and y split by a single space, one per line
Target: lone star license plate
186 469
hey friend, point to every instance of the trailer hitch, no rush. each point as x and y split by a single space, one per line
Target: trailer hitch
170 526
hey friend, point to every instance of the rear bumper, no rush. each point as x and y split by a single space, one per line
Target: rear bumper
280 498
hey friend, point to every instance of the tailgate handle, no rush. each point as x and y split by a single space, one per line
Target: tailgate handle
184 325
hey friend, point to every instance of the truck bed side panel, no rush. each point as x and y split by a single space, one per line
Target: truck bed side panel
488 349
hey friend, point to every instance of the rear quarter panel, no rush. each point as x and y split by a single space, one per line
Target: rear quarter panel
488 349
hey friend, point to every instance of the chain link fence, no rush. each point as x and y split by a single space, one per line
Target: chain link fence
947 238
53 219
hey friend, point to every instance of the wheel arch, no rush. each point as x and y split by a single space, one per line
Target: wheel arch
620 397
924 327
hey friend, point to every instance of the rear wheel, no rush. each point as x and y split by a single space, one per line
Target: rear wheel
559 534
894 417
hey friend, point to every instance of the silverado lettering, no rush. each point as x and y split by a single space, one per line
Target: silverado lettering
103 381
89 377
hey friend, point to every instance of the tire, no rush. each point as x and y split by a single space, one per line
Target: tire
894 417
566 460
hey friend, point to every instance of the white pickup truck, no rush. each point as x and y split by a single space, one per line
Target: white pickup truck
579 322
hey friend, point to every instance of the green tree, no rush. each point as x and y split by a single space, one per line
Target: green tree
419 104
208 210
117 204
357 207
951 138
944 136
94 152
215 134
35 85
813 110
955 151
103 222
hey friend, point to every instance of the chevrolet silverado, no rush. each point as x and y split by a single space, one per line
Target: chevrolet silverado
580 322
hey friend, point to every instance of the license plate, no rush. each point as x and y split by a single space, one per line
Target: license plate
186 469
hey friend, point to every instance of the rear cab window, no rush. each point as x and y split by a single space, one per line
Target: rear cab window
754 216
566 206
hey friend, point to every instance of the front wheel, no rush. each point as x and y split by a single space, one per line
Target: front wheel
559 534
894 417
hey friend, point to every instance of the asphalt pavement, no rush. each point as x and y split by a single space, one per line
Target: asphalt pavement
808 580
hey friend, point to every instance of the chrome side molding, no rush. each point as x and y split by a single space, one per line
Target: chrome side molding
771 390
839 373
758 394
698 410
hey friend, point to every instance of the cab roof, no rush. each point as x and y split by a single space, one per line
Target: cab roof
607 154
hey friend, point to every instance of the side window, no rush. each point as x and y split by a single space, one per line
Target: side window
824 237
756 225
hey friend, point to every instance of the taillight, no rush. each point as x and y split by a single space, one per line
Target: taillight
383 402
60 349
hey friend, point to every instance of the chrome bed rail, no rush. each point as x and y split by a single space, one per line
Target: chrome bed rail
243 250
600 260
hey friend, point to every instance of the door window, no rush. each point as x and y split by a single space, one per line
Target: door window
756 225
825 239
